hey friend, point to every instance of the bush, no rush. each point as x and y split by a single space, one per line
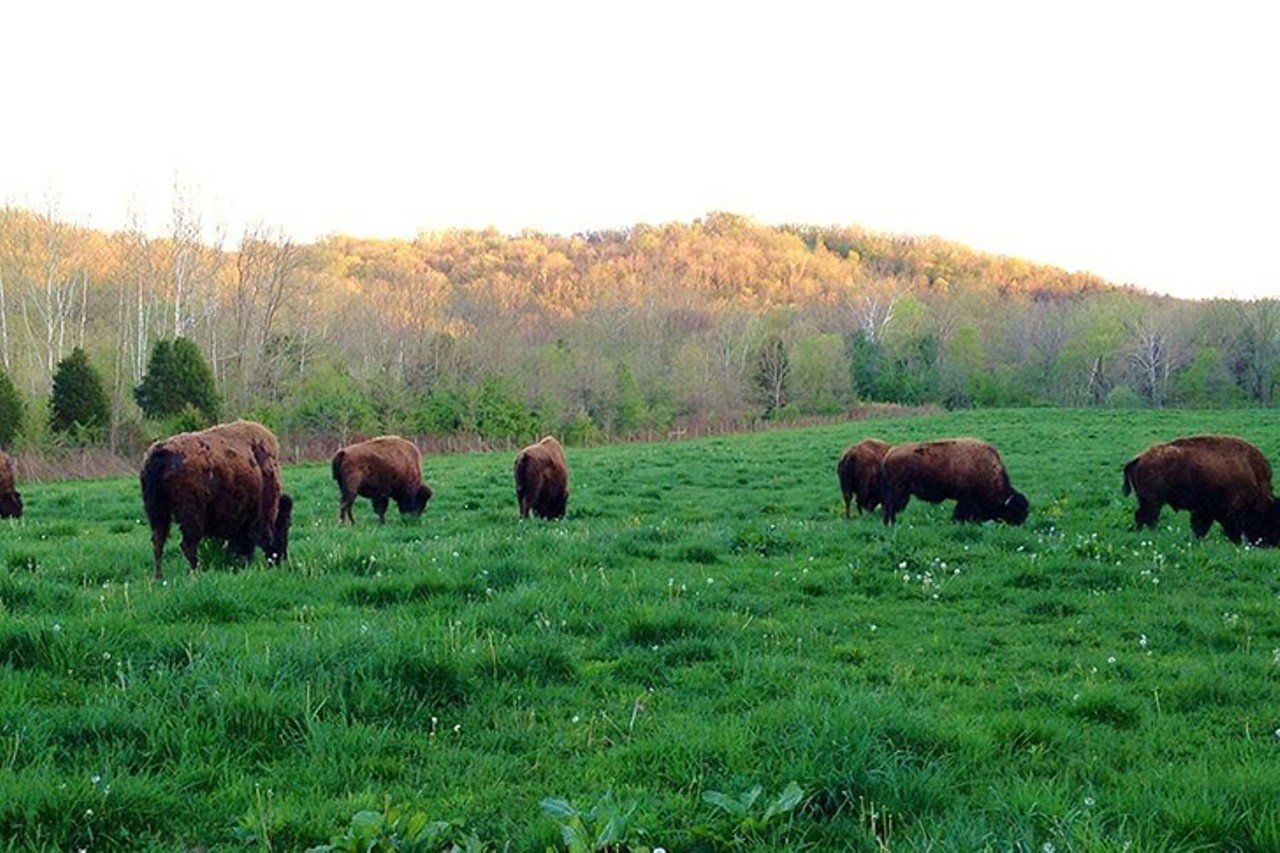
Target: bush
10 411
441 413
1123 397
78 406
328 402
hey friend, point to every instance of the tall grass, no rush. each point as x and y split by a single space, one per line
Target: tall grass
703 621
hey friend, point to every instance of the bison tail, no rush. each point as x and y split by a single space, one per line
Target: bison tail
1128 476
337 465
522 479
155 501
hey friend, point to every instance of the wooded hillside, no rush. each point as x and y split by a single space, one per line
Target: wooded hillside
718 320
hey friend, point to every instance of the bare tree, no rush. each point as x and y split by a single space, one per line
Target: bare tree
1155 353
266 267
53 288
872 305
1257 346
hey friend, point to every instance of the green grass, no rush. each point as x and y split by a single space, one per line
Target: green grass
703 620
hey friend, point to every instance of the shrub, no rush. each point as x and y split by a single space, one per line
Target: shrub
327 402
1123 397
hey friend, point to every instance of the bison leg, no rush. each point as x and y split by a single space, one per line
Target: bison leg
159 535
966 511
894 503
1200 523
848 501
525 503
380 507
344 508
1147 514
1230 526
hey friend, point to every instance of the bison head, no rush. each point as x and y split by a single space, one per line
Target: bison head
416 503
1267 534
11 505
1015 508
279 550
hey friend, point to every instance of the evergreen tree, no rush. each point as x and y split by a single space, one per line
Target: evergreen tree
177 377
79 400
10 411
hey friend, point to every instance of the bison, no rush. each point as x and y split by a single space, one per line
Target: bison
859 473
220 483
381 469
1216 477
966 470
542 479
10 497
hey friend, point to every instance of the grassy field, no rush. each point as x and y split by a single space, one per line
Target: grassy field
703 621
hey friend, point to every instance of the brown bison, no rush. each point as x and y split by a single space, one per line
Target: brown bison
542 479
1217 477
220 483
381 469
859 473
965 470
10 498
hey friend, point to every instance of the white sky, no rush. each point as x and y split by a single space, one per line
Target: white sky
1138 141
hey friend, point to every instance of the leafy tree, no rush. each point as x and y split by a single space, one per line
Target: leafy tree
817 374
177 377
11 409
631 410
78 404
1206 381
867 366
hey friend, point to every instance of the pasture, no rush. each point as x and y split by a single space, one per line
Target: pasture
703 620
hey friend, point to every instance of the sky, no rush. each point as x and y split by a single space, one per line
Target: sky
1138 141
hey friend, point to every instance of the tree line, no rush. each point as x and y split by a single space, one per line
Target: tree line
717 321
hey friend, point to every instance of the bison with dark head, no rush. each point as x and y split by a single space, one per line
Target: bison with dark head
1216 478
542 479
388 468
859 473
965 470
10 498
220 483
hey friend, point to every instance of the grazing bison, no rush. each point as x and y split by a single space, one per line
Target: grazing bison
220 483
859 473
10 498
966 470
381 469
542 479
1217 477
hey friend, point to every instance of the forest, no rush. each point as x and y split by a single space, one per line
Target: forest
722 322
